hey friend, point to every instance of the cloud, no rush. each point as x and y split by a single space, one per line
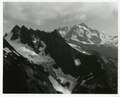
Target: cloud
38 14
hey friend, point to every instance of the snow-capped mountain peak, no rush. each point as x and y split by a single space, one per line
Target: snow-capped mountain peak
83 34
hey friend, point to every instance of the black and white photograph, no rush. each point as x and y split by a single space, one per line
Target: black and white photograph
60 48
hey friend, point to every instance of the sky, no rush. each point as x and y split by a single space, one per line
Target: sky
48 16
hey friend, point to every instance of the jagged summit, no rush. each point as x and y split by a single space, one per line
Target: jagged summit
83 24
16 27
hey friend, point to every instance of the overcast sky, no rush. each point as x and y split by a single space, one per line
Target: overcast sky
51 15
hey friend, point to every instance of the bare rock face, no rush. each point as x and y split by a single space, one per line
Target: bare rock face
40 62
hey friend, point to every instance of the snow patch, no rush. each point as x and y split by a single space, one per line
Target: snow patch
86 42
72 45
28 52
57 86
77 62
74 37
62 33
78 48
65 78
7 50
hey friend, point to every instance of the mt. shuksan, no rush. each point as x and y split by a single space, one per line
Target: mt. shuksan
83 34
86 40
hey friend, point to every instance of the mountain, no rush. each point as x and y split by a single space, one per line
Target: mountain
84 34
91 40
40 62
